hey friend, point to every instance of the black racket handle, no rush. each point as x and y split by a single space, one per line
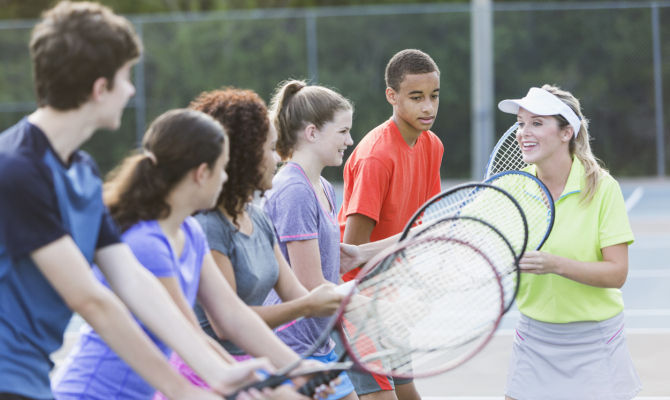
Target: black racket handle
321 378
272 382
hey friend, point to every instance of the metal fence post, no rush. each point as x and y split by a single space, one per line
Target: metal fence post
312 47
481 45
658 91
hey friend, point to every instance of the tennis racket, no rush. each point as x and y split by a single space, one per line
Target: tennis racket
419 308
535 201
490 241
506 154
479 200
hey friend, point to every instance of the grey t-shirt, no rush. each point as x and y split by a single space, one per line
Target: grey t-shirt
252 256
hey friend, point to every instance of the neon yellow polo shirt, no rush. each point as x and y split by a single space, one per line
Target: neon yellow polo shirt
580 231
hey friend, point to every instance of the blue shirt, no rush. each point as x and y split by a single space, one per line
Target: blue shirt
92 369
41 200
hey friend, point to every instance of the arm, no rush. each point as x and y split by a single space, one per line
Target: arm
322 301
298 302
235 320
149 301
68 272
358 229
174 290
306 262
611 272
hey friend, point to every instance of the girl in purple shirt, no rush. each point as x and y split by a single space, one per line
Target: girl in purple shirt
151 197
313 124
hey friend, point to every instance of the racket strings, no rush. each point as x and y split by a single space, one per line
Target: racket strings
489 241
507 155
483 202
534 199
427 307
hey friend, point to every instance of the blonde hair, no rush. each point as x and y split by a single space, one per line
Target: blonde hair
580 146
295 105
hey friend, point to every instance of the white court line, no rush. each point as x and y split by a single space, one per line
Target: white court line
634 198
499 397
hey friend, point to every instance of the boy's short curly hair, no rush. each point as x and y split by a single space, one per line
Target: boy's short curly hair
75 44
408 61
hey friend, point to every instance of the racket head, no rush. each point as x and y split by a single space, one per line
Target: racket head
424 306
490 241
506 154
479 200
535 200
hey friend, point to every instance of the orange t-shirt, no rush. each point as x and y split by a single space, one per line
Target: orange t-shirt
387 180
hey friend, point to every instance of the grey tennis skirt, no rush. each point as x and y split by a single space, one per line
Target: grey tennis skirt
576 361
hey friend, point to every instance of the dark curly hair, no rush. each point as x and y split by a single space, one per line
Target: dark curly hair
175 143
244 115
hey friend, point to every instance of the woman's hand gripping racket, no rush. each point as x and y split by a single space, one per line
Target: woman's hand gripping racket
506 154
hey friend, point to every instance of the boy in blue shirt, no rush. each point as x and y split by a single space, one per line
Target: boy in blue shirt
53 223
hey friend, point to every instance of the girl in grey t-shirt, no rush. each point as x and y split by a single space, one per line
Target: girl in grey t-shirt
240 237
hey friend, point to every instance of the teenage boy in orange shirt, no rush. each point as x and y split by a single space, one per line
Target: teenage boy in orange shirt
391 173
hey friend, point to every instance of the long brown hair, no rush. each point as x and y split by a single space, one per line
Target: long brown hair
295 105
245 117
175 143
580 146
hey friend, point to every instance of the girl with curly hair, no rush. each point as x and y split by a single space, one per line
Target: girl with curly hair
240 236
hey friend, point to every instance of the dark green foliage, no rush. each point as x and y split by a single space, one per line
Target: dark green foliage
603 56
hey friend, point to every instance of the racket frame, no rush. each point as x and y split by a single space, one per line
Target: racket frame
383 258
544 189
509 132
508 245
474 186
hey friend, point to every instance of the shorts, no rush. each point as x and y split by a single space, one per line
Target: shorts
346 386
365 382
577 360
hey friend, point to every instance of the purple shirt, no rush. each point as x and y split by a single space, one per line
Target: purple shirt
92 369
297 214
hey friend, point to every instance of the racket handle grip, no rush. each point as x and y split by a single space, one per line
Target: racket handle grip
272 381
321 378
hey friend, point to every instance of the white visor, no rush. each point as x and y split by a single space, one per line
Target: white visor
540 102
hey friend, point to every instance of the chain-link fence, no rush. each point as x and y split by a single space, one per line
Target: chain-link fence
610 55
